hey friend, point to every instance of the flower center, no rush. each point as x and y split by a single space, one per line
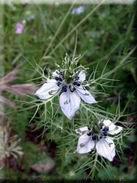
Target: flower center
66 83
72 88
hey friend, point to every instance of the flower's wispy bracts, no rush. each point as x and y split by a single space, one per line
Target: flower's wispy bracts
101 141
71 89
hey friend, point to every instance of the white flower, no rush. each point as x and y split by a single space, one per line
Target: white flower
103 144
78 10
71 92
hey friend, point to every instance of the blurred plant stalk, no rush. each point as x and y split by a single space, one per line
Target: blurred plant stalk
15 89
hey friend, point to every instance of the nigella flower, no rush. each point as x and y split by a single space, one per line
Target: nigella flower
78 10
101 141
71 90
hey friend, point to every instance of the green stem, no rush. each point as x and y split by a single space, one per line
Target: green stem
94 167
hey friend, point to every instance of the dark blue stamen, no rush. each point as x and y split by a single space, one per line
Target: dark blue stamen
105 129
58 79
89 134
64 88
76 83
58 83
94 137
72 89
105 133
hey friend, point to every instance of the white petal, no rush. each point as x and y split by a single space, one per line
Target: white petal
113 129
82 76
85 144
112 155
108 123
70 103
85 95
55 74
116 130
47 90
105 147
82 130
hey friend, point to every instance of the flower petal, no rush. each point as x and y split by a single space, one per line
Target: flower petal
48 90
82 76
70 103
112 155
82 130
85 95
113 129
55 74
105 147
85 144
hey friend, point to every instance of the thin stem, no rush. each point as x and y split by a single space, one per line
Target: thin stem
76 27
94 166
